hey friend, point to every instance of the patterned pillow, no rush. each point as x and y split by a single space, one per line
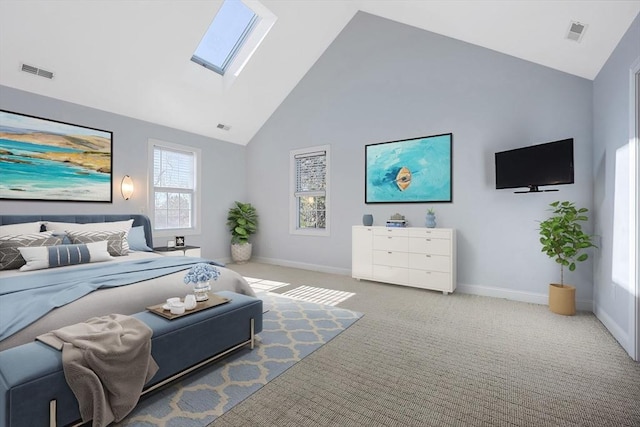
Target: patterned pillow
61 255
94 226
115 240
10 257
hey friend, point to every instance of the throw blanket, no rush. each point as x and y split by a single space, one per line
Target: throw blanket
106 361
25 299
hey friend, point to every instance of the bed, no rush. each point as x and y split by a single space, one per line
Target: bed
122 299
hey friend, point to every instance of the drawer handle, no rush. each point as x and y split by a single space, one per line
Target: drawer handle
428 240
389 237
389 252
428 256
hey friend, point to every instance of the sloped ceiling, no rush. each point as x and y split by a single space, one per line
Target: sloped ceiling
133 57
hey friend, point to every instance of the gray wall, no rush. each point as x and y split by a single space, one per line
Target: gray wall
219 161
381 81
612 114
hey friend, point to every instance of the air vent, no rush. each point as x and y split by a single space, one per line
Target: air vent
37 71
223 127
576 31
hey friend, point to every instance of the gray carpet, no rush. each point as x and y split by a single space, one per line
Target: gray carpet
419 358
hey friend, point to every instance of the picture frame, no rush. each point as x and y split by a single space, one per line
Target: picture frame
179 241
415 170
49 160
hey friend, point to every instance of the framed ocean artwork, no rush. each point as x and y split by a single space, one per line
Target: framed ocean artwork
417 170
48 160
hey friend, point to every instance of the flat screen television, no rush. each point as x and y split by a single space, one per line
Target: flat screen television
535 166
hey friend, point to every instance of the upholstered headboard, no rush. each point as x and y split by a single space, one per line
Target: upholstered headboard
138 220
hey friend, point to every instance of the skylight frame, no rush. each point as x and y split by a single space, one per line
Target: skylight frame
240 42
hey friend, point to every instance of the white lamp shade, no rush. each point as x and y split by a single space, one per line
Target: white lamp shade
127 187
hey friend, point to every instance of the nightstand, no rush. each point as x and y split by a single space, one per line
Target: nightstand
183 251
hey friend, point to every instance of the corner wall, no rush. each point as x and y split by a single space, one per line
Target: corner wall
613 293
220 160
381 81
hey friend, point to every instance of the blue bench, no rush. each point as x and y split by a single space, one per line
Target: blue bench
34 392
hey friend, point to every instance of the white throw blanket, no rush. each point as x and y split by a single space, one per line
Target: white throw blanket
107 361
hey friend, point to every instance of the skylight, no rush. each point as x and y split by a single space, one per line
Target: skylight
227 33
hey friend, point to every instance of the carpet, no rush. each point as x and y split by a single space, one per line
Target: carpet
292 329
318 295
263 285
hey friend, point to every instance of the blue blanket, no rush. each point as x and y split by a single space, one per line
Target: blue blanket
25 299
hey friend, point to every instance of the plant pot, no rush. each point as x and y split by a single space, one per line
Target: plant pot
431 220
241 253
562 299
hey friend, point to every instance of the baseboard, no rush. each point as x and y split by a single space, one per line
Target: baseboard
522 296
614 329
304 266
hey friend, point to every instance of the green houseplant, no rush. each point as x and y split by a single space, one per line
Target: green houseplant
242 220
564 241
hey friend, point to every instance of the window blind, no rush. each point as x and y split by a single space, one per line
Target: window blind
311 169
173 169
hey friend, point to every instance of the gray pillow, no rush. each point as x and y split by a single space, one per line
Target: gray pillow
10 257
114 239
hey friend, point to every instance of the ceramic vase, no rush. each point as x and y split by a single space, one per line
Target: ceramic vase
431 220
367 220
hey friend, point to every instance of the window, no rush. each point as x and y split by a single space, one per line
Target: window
310 191
230 28
175 191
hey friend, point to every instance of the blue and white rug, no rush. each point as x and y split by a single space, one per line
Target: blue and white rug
292 329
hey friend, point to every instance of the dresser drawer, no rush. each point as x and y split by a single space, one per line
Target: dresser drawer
435 233
428 245
391 258
430 262
390 243
385 273
390 231
430 280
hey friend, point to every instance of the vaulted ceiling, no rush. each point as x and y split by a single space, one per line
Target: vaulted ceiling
133 57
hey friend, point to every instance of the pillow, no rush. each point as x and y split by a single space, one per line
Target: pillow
115 240
137 240
93 226
23 228
65 239
61 255
10 257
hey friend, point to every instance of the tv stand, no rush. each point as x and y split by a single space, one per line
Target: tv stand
534 189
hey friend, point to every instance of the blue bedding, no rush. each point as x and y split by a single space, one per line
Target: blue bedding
25 299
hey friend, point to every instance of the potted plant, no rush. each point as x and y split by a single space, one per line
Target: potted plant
242 221
564 241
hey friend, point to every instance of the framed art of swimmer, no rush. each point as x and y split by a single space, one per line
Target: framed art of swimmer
417 170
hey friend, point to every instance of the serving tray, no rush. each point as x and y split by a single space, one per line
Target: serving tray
213 301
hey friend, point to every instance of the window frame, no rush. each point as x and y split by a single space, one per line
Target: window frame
265 21
240 42
293 199
197 194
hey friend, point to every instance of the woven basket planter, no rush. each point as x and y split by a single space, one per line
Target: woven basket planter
241 253
562 299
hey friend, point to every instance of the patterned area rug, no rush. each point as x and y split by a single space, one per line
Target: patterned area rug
292 329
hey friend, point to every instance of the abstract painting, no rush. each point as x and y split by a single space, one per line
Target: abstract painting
48 160
417 170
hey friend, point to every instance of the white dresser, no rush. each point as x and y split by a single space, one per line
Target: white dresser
418 257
